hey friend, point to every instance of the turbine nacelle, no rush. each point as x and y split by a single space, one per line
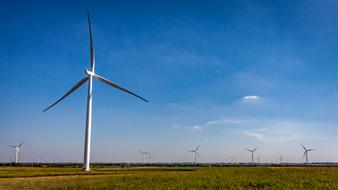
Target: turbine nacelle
89 73
252 150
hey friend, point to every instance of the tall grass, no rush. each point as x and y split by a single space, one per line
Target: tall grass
172 178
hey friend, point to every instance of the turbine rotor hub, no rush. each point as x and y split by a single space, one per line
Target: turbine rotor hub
89 73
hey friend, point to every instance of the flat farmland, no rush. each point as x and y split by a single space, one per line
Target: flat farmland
170 178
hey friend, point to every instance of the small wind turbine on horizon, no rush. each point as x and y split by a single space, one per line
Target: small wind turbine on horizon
280 158
306 153
149 157
50 159
232 159
252 154
90 75
195 153
17 150
38 159
144 154
258 159
115 158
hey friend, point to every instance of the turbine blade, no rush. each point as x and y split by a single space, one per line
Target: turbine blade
248 149
81 82
303 146
20 144
108 82
198 155
254 149
304 154
312 149
92 58
12 146
197 147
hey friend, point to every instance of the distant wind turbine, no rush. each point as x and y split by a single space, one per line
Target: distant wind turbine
232 159
38 159
280 158
195 153
252 154
144 154
149 157
258 159
115 158
306 153
17 150
90 75
50 158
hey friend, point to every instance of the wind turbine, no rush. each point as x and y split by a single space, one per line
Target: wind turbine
144 154
280 158
149 157
17 150
232 159
38 159
50 159
258 159
306 153
90 75
196 153
115 158
252 154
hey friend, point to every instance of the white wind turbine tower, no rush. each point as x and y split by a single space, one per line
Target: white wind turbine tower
144 154
195 153
17 150
252 154
90 75
306 153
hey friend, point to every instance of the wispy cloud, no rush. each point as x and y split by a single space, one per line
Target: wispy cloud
220 122
225 121
256 135
276 132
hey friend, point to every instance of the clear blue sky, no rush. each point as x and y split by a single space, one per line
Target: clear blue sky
226 75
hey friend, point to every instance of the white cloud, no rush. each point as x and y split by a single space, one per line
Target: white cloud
275 132
250 98
223 122
197 127
256 135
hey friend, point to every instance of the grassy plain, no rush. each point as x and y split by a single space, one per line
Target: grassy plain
170 178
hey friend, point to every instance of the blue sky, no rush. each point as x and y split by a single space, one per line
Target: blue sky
228 75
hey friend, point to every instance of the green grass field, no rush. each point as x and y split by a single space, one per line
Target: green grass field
170 178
